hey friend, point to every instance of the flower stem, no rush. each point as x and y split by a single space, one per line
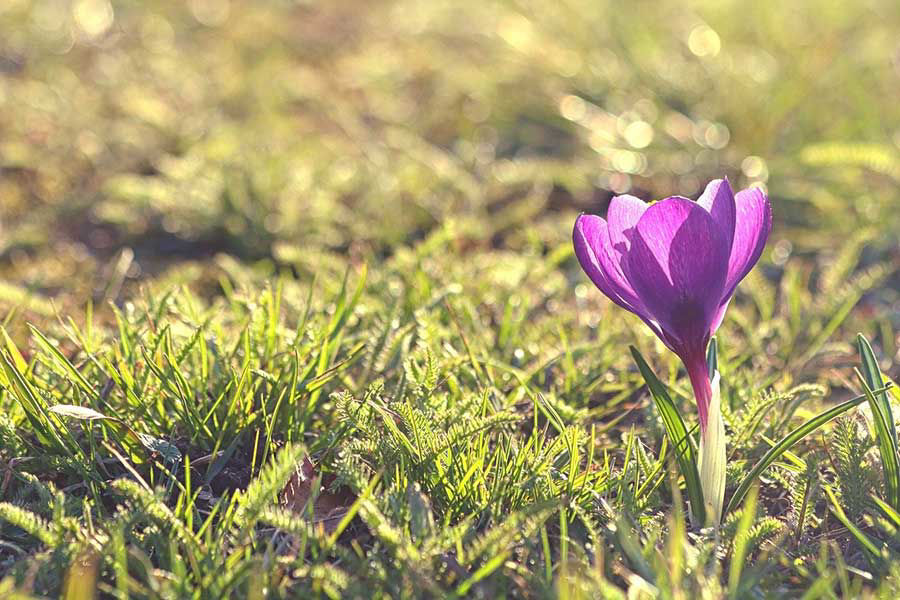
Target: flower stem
698 371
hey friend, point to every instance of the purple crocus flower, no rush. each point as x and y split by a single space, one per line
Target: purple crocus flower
676 264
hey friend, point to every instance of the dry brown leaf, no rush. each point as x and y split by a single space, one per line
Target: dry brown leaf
329 508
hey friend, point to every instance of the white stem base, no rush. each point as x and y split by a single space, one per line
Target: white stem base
712 458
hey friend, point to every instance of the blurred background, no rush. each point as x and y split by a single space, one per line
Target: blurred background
220 171
159 141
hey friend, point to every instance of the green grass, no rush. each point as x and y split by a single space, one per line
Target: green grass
279 249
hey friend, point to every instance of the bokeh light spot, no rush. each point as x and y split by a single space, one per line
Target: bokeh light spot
755 168
639 134
94 17
211 13
704 41
572 108
717 136
516 31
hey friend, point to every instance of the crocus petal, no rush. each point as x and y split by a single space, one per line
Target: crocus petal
614 241
586 238
677 265
611 264
720 316
753 223
623 215
718 200
594 252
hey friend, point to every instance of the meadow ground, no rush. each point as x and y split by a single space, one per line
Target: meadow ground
290 306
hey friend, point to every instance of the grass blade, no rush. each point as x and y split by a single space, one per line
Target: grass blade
741 539
785 444
887 510
872 553
885 431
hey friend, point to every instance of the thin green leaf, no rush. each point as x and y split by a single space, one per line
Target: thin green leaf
712 356
873 554
785 444
682 443
887 510
885 431
65 364
741 539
